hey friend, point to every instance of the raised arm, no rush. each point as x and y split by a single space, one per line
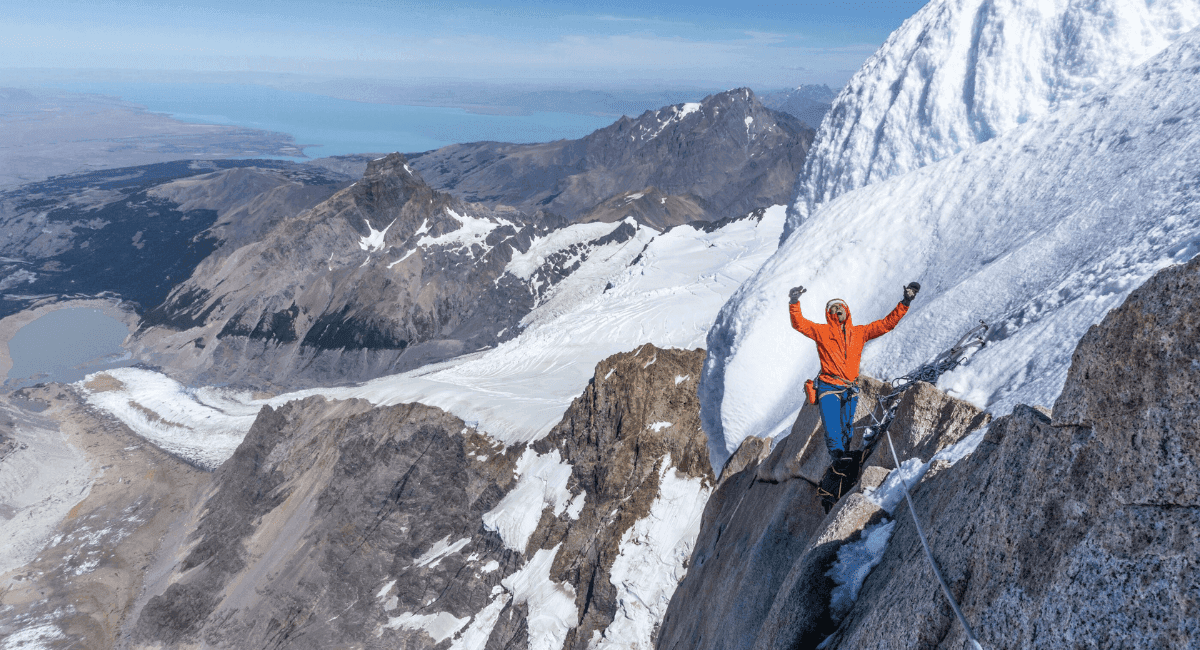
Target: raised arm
889 322
799 322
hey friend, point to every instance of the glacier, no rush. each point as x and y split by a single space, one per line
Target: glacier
660 288
1039 232
960 72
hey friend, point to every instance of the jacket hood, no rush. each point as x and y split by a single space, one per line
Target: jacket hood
829 318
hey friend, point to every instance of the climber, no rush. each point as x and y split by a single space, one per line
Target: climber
839 346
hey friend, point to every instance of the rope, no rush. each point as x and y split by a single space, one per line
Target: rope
929 554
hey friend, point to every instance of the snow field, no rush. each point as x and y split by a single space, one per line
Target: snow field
519 390
551 605
202 425
1040 232
960 72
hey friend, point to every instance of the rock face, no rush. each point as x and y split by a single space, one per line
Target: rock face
139 231
727 155
1076 528
338 524
384 276
758 570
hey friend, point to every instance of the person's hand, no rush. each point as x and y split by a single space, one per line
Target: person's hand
910 292
795 293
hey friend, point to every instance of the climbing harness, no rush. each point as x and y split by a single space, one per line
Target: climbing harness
929 554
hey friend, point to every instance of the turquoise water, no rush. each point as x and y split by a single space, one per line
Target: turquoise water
340 126
65 345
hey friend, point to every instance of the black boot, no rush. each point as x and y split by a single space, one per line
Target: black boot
839 478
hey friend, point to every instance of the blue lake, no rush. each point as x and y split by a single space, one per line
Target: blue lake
340 126
65 345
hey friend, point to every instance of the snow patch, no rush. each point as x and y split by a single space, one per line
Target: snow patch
440 550
476 636
542 484
472 231
374 241
524 265
658 426
681 378
440 626
653 554
552 611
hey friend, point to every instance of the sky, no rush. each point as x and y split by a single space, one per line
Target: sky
594 43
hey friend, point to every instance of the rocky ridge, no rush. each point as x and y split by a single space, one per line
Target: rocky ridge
1064 529
724 156
336 523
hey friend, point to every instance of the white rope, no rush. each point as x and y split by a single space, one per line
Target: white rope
929 554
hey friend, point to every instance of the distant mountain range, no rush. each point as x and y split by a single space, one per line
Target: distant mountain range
709 160
808 103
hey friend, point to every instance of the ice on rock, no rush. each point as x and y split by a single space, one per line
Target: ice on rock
854 564
1039 232
960 72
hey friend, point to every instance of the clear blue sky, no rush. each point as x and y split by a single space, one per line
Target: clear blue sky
601 42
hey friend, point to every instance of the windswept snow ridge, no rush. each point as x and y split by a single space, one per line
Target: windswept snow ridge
960 72
1039 232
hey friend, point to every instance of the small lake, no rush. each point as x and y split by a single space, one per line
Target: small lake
65 345
341 126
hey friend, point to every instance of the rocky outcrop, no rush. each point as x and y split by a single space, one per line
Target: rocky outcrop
1076 528
727 155
634 443
766 543
385 276
340 524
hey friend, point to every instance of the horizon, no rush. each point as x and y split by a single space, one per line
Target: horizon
576 45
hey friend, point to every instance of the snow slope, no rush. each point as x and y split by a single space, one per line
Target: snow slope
656 288
1040 232
960 72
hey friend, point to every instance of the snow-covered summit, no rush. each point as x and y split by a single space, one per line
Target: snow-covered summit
960 72
1040 232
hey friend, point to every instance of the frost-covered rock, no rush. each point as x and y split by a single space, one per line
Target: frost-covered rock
960 72
1039 232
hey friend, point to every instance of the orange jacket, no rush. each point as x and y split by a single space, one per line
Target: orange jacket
840 349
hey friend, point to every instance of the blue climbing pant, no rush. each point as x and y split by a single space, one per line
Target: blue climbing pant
837 413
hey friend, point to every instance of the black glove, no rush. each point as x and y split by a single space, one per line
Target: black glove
795 293
910 292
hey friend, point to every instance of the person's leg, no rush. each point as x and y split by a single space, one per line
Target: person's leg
847 419
831 417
